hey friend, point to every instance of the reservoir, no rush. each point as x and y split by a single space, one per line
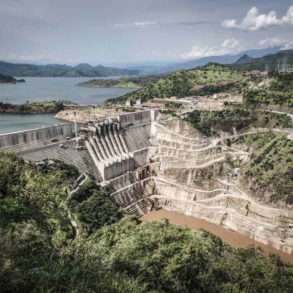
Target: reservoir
16 122
49 88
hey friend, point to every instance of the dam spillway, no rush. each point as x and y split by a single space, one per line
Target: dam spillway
151 162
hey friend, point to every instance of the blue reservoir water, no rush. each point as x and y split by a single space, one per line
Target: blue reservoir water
15 122
48 88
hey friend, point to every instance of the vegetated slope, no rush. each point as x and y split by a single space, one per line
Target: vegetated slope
56 70
211 122
40 251
269 173
269 62
278 91
210 79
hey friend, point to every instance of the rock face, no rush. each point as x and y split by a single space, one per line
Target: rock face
150 162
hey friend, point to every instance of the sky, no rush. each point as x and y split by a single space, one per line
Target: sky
113 32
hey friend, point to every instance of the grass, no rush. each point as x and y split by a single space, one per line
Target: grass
211 122
270 170
209 79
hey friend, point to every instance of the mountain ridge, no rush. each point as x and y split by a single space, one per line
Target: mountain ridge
62 70
244 59
194 63
269 62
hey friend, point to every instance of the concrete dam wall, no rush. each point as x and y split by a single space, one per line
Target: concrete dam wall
44 143
151 163
119 146
22 140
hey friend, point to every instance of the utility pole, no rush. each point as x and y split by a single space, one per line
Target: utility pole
75 127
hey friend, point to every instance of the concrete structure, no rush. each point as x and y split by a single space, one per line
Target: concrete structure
285 68
149 162
23 140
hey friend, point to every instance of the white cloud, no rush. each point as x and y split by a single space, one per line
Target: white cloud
136 24
144 23
229 46
276 42
288 18
254 21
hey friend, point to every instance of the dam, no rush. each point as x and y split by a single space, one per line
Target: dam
150 161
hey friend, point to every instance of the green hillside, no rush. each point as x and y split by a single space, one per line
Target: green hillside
211 122
270 169
278 91
210 79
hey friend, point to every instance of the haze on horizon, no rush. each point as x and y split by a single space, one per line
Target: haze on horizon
113 32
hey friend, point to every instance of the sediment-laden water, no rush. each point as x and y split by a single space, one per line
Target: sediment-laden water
233 238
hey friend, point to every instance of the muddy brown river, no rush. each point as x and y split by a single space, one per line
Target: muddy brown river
230 237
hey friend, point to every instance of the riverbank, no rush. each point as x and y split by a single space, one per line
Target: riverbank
45 107
230 237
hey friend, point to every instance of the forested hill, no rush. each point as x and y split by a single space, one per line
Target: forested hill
56 70
269 62
43 251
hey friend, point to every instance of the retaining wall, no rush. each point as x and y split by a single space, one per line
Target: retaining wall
35 136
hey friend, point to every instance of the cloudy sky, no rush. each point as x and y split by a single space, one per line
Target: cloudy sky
132 31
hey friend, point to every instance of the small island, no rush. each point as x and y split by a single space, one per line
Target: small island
9 79
134 82
109 83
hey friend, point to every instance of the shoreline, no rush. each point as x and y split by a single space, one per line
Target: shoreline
230 237
12 122
28 113
42 107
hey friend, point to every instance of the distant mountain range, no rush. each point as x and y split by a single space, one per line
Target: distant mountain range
244 59
251 59
268 62
224 59
56 70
